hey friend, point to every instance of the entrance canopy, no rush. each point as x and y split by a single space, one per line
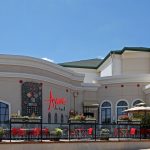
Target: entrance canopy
91 104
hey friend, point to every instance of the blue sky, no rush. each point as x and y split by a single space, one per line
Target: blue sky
69 30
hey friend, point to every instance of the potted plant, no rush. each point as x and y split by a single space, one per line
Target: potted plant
59 132
104 134
56 134
77 118
124 118
1 133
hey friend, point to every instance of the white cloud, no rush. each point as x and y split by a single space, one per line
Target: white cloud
47 59
100 57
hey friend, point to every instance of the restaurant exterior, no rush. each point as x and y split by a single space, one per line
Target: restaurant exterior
99 89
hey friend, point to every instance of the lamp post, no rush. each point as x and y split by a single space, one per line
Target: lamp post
75 94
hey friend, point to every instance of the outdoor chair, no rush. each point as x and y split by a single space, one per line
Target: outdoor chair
133 132
36 132
73 133
45 132
84 133
116 132
120 132
14 132
90 132
21 132
143 133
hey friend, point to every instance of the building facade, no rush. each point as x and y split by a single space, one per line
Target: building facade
100 88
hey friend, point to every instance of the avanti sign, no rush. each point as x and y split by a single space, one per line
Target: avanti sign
54 102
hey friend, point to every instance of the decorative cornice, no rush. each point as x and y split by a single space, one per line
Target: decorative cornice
25 61
90 86
37 77
124 79
46 79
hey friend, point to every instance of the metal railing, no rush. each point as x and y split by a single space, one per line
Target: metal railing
38 131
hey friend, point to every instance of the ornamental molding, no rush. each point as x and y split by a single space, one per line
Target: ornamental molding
25 61
35 77
90 86
44 79
124 79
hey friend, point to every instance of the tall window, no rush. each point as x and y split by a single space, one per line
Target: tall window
49 117
137 102
55 118
121 106
106 113
4 112
62 118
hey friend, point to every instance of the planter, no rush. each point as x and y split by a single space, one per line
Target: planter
55 139
26 119
74 121
56 134
104 138
82 121
104 134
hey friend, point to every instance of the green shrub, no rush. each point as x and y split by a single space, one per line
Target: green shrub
58 131
1 131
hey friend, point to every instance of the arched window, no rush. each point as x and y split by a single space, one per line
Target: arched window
106 113
49 117
137 102
55 118
121 106
4 112
62 118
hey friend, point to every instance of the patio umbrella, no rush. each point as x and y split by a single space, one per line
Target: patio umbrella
141 104
138 109
145 120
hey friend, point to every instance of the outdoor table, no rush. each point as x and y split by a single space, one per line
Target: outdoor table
145 133
121 132
80 132
124 132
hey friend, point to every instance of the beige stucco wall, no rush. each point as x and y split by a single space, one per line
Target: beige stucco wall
115 93
61 92
130 62
64 82
58 92
90 95
10 92
135 62
116 64
90 74
61 81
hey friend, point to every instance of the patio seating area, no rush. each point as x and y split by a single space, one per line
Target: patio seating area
86 131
